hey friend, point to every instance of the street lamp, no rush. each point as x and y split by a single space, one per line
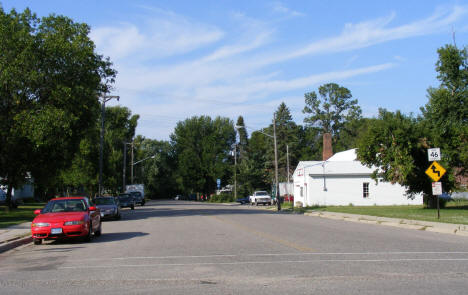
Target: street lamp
104 99
278 203
134 163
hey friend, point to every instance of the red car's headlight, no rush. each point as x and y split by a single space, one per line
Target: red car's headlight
76 222
40 224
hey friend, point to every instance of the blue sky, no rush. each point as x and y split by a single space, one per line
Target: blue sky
177 59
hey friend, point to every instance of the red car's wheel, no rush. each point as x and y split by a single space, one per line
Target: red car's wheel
37 241
99 231
87 238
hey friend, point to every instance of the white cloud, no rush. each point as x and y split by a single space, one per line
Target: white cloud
368 33
235 72
163 35
279 7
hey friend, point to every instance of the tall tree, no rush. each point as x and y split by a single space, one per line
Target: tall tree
446 113
332 110
50 80
120 126
243 139
395 144
158 172
286 139
202 148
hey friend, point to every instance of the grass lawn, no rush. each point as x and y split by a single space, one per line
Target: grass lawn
454 212
24 213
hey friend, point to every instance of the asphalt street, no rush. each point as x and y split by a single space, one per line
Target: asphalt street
180 247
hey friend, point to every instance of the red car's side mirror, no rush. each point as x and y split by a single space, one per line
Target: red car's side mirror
92 208
37 211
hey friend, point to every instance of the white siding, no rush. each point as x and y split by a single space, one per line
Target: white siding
340 182
342 191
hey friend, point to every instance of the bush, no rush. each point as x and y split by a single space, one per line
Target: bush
222 198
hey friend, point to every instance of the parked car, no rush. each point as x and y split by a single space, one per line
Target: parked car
260 197
243 200
109 207
126 201
139 199
70 217
14 202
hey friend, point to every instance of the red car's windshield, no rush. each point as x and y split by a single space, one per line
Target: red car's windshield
73 205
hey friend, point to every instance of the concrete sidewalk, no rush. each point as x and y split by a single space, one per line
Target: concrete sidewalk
15 236
439 227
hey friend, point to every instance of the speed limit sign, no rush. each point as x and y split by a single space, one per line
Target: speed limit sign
433 154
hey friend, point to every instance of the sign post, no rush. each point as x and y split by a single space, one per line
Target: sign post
435 172
437 191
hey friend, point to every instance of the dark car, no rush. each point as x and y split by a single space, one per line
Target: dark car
109 207
244 200
126 201
139 199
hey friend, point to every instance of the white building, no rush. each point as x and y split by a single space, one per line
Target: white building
342 180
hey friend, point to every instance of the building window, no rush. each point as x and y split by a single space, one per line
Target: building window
365 190
302 191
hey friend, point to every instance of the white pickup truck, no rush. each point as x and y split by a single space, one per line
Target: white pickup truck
260 197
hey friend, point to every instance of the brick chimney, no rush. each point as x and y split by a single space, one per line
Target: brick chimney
327 146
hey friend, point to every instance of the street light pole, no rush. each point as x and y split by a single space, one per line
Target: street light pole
235 171
104 99
278 202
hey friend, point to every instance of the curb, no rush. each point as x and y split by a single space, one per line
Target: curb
446 228
15 243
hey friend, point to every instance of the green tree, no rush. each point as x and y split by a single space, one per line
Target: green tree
446 113
120 126
50 79
243 139
286 138
202 148
332 110
158 172
396 145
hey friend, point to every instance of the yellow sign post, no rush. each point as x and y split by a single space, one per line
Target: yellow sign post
435 171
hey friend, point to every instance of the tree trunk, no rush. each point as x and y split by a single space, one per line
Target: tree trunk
9 202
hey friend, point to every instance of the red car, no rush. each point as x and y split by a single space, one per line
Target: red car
70 217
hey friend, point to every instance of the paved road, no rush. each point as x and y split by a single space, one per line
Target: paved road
177 247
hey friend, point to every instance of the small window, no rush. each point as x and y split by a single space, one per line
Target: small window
365 189
302 191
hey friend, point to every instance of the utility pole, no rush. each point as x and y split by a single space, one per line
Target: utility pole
124 164
131 172
278 202
104 99
235 171
287 183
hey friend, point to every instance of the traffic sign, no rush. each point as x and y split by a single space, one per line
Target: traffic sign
436 188
433 154
435 171
218 183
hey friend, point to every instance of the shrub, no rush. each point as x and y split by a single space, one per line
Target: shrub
222 198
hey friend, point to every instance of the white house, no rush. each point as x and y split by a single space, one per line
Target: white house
342 180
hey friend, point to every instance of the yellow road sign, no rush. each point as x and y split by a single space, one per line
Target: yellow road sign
435 171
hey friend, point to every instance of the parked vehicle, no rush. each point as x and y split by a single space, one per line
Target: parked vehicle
109 207
139 199
14 202
260 197
243 200
126 201
70 217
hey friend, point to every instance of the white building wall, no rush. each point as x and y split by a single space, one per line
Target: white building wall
346 190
